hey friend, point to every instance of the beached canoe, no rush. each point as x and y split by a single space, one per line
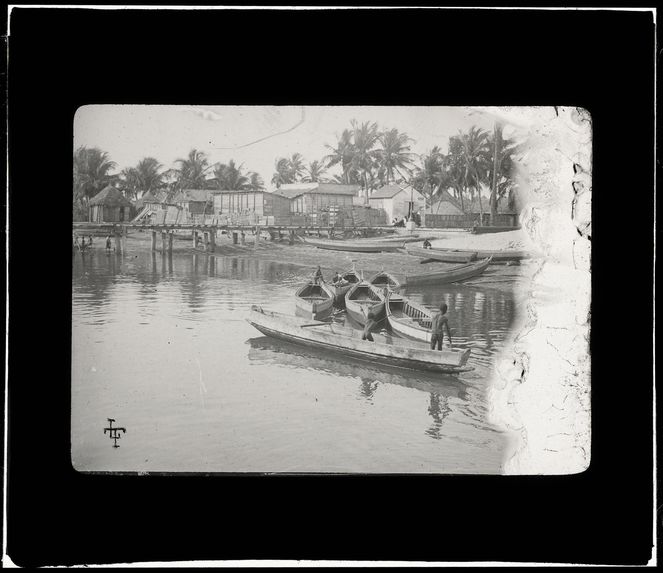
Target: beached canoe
385 279
347 342
409 319
314 300
359 246
442 255
503 256
339 288
493 229
449 275
361 297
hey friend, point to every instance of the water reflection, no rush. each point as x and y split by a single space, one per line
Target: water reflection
144 303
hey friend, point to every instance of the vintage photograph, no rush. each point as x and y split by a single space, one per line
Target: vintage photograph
330 289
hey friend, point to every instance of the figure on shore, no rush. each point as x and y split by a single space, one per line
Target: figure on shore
83 245
439 323
77 245
317 277
427 244
108 243
89 240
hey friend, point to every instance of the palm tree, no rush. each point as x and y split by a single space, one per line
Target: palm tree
296 167
432 176
364 154
91 174
230 177
192 170
342 155
282 174
395 153
255 181
475 151
315 172
502 169
142 178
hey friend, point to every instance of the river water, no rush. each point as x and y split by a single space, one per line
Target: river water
160 344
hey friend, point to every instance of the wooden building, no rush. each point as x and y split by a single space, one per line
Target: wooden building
397 201
313 198
193 202
109 206
249 202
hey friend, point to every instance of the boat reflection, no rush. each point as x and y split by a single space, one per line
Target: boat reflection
265 350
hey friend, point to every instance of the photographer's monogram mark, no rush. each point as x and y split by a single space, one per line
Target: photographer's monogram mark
114 432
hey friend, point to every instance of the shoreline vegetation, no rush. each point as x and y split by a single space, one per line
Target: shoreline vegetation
474 163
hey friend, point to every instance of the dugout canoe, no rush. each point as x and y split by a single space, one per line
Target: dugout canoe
314 300
442 255
339 289
480 230
347 342
363 246
360 298
409 319
449 275
385 279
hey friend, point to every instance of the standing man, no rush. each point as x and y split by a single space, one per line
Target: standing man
108 243
439 323
317 277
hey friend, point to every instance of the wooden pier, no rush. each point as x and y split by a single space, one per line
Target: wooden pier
208 232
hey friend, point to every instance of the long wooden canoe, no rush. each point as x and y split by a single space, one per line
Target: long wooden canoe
449 275
314 300
385 279
360 298
363 246
339 288
409 319
494 229
347 342
442 255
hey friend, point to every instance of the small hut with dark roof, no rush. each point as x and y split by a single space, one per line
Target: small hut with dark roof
109 206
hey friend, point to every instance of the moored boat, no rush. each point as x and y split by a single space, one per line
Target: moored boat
480 230
359 246
314 300
449 275
385 279
347 341
409 319
339 288
360 298
443 255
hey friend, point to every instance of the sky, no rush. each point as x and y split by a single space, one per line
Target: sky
255 136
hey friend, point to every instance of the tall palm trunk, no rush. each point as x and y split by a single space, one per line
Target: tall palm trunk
493 193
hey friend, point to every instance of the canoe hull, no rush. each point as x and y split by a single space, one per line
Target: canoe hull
357 247
486 229
442 255
348 343
354 307
453 275
313 308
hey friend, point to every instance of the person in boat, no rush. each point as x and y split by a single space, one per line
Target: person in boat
439 324
317 277
337 278
427 244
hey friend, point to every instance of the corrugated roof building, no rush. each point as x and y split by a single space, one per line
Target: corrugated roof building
397 201
309 198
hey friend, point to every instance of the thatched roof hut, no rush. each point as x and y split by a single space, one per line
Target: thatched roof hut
109 205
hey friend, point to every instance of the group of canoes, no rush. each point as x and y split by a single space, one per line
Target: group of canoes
377 306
